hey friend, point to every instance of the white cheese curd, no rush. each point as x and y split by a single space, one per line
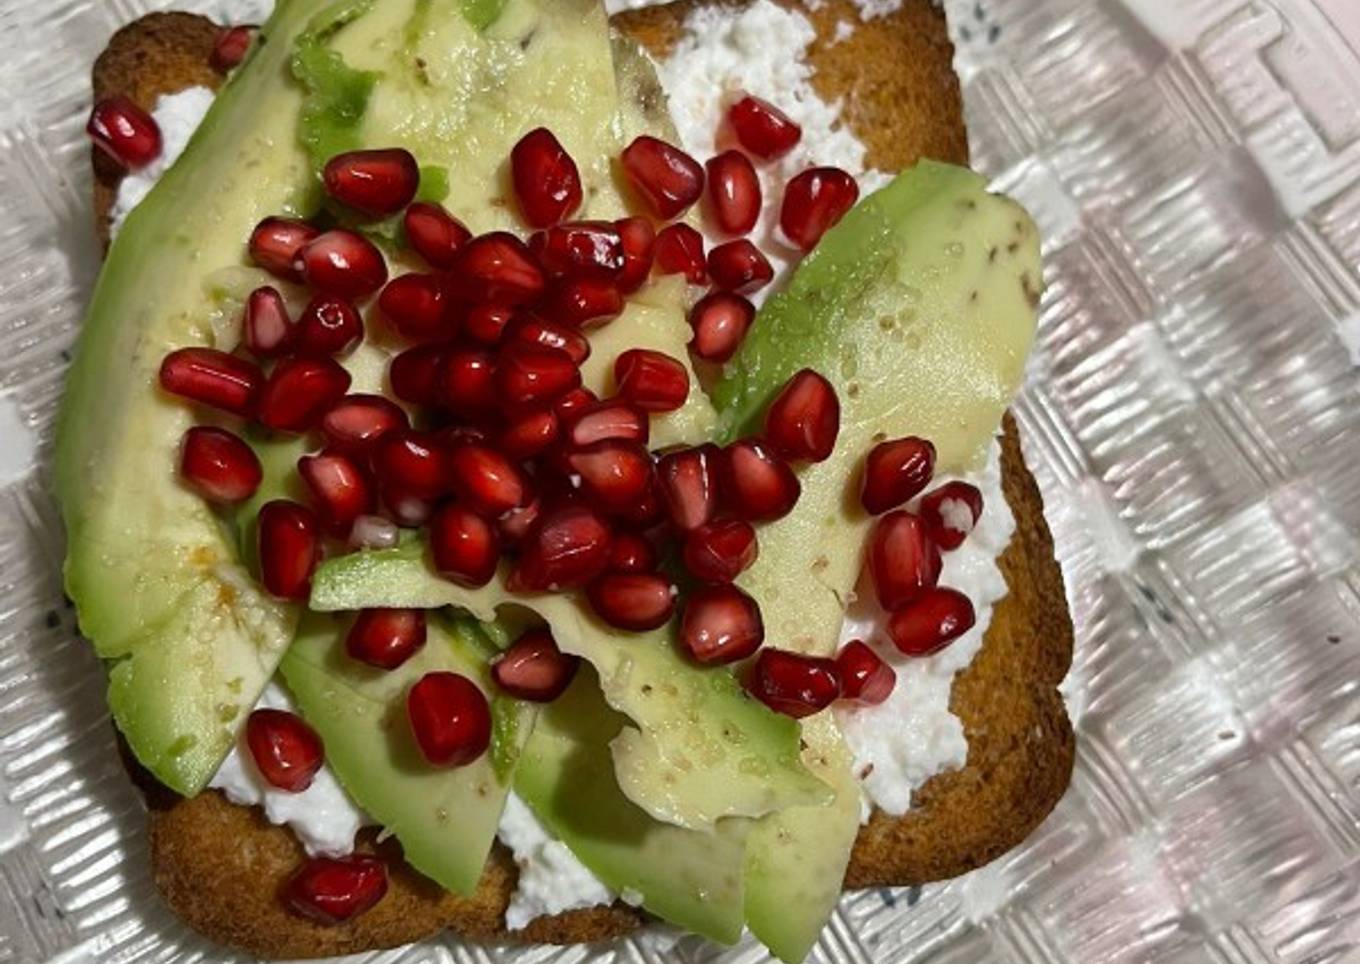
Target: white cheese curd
551 879
178 116
911 736
323 816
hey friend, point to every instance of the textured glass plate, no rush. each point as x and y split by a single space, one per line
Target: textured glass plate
1193 417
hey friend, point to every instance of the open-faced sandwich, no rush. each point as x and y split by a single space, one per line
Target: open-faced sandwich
531 475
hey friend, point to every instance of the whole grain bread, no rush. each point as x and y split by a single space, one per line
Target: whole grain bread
220 866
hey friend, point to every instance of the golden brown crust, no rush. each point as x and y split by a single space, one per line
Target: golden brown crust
220 866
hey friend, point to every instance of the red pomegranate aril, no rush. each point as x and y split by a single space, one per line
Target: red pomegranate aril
299 392
266 329
218 465
733 192
533 330
497 267
376 182
289 542
632 553
931 621
804 419
355 424
276 243
865 678
230 47
639 247
212 377
665 177
757 484
580 249
739 266
546 181
688 480
609 419
487 323
435 234
417 374
416 306
534 669
720 551
287 752
486 480
415 463
679 249
464 546
329 325
582 301
574 402
613 474
651 380
720 321
902 559
514 525
529 434
450 719
720 625
343 263
341 490
647 512
813 202
531 375
124 132
566 549
407 511
762 128
896 472
950 513
386 638
332 890
632 601
793 684
467 382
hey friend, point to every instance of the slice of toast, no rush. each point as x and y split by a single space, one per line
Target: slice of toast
220 866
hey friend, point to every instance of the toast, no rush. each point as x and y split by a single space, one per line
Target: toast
219 865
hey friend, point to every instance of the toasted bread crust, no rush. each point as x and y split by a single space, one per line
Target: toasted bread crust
220 866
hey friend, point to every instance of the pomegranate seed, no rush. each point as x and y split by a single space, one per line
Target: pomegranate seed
356 423
527 435
467 382
614 474
720 551
762 128
218 465
373 532
376 183
647 512
896 472
865 678
733 192
329 325
331 890
287 752
679 249
417 374
435 234
416 307
299 392
609 419
514 525
546 181
414 462
546 334
651 380
534 669
813 202
497 267
230 47
344 263
266 329
901 558
739 266
212 377
464 546
486 480
720 321
289 547
689 485
486 324
793 684
572 404
632 553
639 242
635 602
721 624
758 485
528 375
566 549
582 301
406 510
931 621
804 419
340 490
951 512
124 132
665 177
450 719
580 249
277 243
